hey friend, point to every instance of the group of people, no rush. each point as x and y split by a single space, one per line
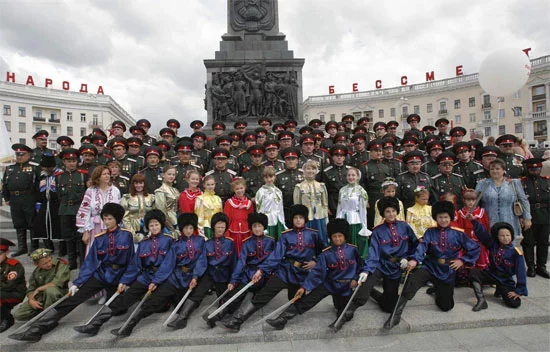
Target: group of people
317 212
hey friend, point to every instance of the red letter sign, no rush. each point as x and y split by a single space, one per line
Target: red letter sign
378 84
48 82
330 89
403 80
354 87
10 77
430 76
459 70
30 81
100 90
65 85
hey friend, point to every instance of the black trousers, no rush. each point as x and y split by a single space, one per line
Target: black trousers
443 292
537 236
389 295
5 310
70 234
317 295
22 211
239 300
272 287
165 294
133 294
91 287
484 278
205 284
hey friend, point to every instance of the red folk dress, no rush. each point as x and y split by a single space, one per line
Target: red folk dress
480 215
187 199
237 210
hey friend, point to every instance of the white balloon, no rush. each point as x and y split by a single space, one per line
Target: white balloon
504 72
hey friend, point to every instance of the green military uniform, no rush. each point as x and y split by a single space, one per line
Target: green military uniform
334 177
254 179
181 173
481 174
430 167
357 159
394 165
12 289
277 164
374 172
467 171
103 159
153 178
140 160
148 140
243 161
58 275
232 164
37 154
514 168
223 182
122 182
453 183
286 180
202 156
129 165
407 184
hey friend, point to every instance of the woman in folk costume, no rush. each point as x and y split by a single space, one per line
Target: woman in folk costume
166 199
237 209
100 192
206 205
136 204
269 201
352 206
189 195
419 216
314 196
389 189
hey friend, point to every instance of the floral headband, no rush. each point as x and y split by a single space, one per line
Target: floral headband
389 181
419 189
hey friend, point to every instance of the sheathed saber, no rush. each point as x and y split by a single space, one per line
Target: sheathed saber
229 301
113 297
395 308
277 311
42 313
175 311
136 311
203 313
336 326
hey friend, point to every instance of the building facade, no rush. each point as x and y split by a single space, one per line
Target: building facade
460 99
27 109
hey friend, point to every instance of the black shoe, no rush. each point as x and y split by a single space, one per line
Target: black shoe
280 322
181 321
234 322
531 271
40 327
6 323
92 328
481 301
395 318
430 290
131 325
21 243
375 294
543 272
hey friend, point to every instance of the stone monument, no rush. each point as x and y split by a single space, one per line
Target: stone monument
253 74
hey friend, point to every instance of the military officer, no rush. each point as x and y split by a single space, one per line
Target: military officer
249 139
240 126
196 125
185 164
167 134
514 167
434 149
261 135
232 163
447 182
288 178
335 176
64 142
147 139
88 152
409 143
290 126
457 134
102 154
219 128
413 120
12 284
388 148
331 127
41 139
71 186
236 145
19 188
428 130
199 138
441 125
120 181
307 142
48 283
379 129
118 128
222 174
409 180
487 155
153 171
168 153
392 131
135 146
272 156
266 123
253 174
119 146
286 139
174 125
361 155
537 189
348 121
466 166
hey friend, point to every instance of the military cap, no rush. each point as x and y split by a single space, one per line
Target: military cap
442 121
40 253
533 163
363 120
5 244
167 131
506 139
87 148
249 136
196 124
154 214
219 217
409 140
143 122
359 137
65 141
154 150
375 144
457 131
119 141
307 138
235 136
222 139
489 150
299 209
85 140
240 124
41 134
264 120
260 131
360 129
48 160
219 153
431 138
441 207
413 117
134 142
188 219
388 202
113 209
218 125
305 130
318 134
118 124
173 123
388 142
199 136
415 155
271 145
260 218
338 149
185 146
278 127
137 130
338 226
164 145
98 132
98 139
476 144
348 118
69 153
291 122
392 124
429 129
290 152
445 156
460 146
340 137
435 144
315 123
256 150
331 124
379 125
285 135
19 148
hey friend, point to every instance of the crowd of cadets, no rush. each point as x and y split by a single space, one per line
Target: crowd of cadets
440 162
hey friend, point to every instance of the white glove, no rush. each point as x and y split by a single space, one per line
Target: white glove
404 263
73 289
363 277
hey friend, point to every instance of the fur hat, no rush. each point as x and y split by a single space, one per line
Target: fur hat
48 160
443 206
257 217
217 218
187 219
116 210
154 214
338 225
299 209
501 225
388 202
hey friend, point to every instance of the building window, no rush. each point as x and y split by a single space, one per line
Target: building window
69 116
22 112
37 128
7 110
517 111
22 127
381 113
540 107
501 129
457 119
332 117
540 129
487 115
69 131
473 117
53 116
417 109
487 100
457 104
53 145
538 90
322 117
83 117
518 128
517 95
472 102
39 114
82 131
392 112
487 131
53 129
8 125
429 108
23 140
500 113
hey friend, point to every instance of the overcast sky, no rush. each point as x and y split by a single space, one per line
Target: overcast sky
148 55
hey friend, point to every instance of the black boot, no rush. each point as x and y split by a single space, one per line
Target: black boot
244 312
375 294
529 255
542 257
181 321
21 243
62 248
92 328
40 327
71 251
6 323
280 322
131 325
391 322
481 301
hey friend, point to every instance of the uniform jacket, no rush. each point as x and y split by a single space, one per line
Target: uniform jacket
254 251
153 262
190 260
12 282
221 256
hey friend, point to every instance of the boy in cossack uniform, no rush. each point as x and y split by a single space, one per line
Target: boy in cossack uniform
153 266
109 263
12 284
294 255
335 274
441 247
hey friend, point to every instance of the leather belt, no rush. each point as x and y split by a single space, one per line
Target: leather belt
540 205
115 266
152 268
18 193
442 261
185 269
295 263
391 259
70 202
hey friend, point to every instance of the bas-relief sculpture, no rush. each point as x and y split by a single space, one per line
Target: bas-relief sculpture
252 15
